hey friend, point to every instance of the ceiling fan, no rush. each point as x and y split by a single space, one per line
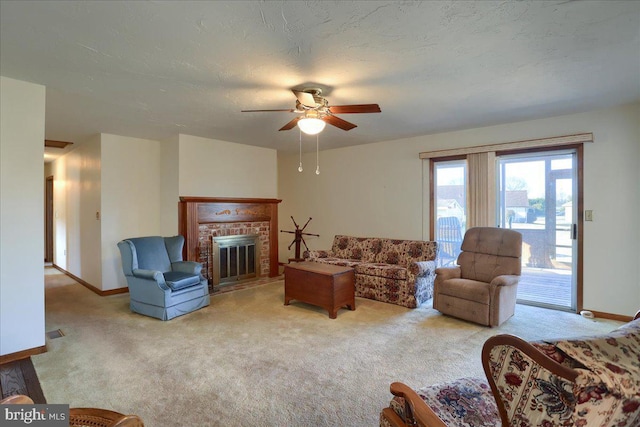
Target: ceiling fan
316 112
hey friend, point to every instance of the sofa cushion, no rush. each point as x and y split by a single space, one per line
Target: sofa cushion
390 257
178 280
471 290
338 261
465 402
381 270
364 249
404 252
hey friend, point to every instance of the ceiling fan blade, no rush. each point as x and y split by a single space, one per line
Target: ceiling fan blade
338 122
290 110
352 109
290 125
305 98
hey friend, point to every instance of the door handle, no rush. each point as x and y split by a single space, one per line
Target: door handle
574 232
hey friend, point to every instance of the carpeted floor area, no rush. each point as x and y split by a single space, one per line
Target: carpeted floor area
248 360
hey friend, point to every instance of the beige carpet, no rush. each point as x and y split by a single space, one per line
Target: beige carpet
248 360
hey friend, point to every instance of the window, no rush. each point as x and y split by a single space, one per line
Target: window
450 201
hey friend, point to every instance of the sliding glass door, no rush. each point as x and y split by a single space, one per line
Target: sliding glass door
537 196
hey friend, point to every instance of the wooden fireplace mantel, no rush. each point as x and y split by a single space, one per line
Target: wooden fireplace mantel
193 211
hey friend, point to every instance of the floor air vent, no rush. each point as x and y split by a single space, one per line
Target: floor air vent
55 334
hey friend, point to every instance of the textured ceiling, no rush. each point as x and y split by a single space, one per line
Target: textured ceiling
155 69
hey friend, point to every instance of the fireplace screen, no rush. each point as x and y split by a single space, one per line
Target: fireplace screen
235 258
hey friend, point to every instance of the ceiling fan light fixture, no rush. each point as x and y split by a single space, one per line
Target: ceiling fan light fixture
317 112
311 125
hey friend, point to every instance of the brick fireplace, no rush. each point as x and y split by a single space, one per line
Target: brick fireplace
208 255
201 219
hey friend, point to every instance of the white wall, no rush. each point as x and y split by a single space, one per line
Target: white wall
169 187
76 186
131 198
213 168
106 189
59 172
135 185
378 190
372 190
21 216
85 254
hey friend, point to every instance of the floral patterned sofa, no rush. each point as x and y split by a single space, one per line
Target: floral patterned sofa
395 271
582 382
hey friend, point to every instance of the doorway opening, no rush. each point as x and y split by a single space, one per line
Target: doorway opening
48 224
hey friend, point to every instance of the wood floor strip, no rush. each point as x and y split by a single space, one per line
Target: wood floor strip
20 377
12 380
32 382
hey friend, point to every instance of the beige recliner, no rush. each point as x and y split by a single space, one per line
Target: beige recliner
482 288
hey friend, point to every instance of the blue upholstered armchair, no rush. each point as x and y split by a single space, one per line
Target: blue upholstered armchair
160 283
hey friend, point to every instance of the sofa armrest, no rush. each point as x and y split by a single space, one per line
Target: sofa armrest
505 280
416 409
316 254
422 268
524 380
446 273
190 267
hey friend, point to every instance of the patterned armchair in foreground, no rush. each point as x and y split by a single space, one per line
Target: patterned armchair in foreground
580 382
161 284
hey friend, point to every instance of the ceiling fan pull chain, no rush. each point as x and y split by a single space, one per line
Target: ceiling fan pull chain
317 155
300 167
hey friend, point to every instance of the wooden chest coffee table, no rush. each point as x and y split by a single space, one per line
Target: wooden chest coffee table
325 285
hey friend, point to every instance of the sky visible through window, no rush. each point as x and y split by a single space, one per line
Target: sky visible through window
527 174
